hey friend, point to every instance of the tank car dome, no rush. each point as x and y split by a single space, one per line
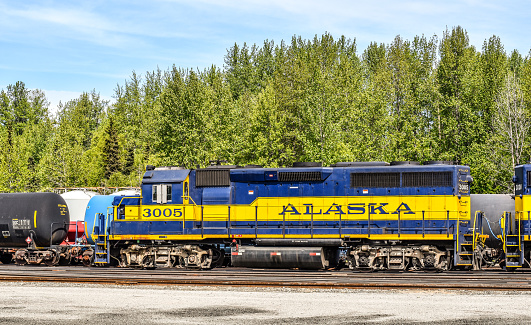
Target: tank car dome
77 203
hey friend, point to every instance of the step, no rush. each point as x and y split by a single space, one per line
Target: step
513 264
513 255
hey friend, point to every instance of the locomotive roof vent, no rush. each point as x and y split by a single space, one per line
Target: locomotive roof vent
307 164
439 162
150 167
254 166
401 163
360 164
223 167
169 168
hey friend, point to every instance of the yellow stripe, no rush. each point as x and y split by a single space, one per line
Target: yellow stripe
35 219
357 208
199 237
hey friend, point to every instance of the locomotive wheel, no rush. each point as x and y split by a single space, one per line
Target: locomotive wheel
218 257
178 262
148 262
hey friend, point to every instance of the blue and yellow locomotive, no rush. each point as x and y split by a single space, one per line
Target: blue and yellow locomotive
370 215
516 229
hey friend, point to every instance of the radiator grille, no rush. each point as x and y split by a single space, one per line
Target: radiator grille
427 179
375 180
299 176
212 177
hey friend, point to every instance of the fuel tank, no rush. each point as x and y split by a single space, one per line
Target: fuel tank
310 258
43 217
493 205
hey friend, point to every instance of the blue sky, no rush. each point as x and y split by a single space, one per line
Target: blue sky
67 47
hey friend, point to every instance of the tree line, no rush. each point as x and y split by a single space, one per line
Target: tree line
275 104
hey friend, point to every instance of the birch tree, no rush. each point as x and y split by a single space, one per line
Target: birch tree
510 121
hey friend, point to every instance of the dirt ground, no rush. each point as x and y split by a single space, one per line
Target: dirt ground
46 303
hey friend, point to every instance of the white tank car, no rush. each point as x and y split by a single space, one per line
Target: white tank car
77 201
493 205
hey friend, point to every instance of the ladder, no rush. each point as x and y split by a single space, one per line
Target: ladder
101 249
512 243
466 241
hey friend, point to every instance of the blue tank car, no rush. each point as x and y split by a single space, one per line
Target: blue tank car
97 205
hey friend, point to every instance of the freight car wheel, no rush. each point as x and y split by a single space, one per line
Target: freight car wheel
20 262
6 258
64 261
49 262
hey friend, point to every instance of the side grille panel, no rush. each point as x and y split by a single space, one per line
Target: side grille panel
427 179
375 180
212 177
299 176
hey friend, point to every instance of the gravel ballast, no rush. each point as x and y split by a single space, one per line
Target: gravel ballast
49 303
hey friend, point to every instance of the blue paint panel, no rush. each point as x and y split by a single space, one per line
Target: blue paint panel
249 184
126 200
196 193
176 190
164 227
521 179
165 176
128 228
245 175
216 195
337 183
147 227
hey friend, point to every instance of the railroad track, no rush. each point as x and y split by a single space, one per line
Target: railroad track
493 279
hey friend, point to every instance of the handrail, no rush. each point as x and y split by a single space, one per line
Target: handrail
474 239
188 197
130 197
519 231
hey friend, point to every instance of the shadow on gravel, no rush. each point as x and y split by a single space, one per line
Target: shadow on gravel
380 320
213 311
223 315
